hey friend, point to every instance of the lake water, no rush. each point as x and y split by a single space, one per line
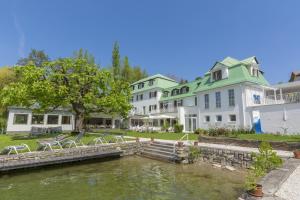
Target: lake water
129 178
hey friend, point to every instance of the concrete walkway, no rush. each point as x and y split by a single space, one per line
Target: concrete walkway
283 154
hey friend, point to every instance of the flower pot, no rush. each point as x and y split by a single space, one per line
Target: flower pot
297 154
195 143
257 191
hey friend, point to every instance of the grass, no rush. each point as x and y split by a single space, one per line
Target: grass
7 140
158 135
270 137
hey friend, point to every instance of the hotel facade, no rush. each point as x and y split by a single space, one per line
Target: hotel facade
232 94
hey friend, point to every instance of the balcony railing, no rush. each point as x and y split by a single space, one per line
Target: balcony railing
293 97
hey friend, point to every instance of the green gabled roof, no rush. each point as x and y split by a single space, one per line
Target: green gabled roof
153 77
238 73
193 85
160 81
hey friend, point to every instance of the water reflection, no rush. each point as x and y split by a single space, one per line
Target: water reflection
131 178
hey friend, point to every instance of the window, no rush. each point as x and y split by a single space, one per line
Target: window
217 75
231 97
66 120
196 101
152 94
175 92
151 82
52 119
131 99
180 102
219 118
132 87
141 96
218 99
256 99
20 118
207 118
140 85
166 93
37 119
232 118
206 101
254 72
184 90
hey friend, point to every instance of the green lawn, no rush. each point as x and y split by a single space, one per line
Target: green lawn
270 137
7 140
160 135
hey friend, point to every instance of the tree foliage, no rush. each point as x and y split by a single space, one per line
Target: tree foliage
7 76
123 70
35 57
84 54
68 82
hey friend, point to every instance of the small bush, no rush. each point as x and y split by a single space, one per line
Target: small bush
201 131
264 161
178 128
194 153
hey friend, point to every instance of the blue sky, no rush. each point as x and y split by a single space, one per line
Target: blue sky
178 37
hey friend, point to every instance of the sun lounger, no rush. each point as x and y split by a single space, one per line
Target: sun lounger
119 139
9 149
49 143
100 140
75 142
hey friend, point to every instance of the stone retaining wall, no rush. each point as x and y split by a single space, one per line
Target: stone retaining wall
39 158
238 159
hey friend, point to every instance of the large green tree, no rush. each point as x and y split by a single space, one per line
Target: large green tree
7 76
35 57
69 82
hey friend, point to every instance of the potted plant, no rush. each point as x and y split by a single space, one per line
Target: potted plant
264 161
253 188
297 153
194 153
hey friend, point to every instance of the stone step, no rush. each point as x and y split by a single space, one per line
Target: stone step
163 143
158 156
166 148
162 151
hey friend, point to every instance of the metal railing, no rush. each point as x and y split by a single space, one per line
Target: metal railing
293 97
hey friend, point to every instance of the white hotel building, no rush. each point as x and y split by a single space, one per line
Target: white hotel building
232 94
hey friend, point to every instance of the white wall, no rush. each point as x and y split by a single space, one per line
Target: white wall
273 117
225 109
23 128
146 101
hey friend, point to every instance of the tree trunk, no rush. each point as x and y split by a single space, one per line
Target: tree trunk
79 120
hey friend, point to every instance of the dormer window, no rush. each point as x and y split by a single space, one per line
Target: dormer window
217 75
140 85
175 92
184 90
254 72
166 93
151 82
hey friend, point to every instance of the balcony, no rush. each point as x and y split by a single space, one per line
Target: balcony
285 98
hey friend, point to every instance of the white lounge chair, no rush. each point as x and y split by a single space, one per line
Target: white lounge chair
15 148
100 140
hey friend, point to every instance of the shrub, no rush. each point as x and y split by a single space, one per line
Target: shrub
178 128
201 131
194 153
264 161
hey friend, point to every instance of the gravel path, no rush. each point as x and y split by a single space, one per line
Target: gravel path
290 189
